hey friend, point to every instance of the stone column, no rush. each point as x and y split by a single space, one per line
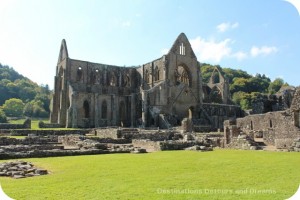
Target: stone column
144 108
74 111
113 110
96 110
133 110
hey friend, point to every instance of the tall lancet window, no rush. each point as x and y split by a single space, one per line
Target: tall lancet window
182 49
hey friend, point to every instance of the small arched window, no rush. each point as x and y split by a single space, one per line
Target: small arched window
147 76
79 74
156 74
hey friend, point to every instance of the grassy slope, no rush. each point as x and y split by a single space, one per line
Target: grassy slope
141 176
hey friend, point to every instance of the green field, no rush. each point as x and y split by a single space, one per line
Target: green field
35 124
220 174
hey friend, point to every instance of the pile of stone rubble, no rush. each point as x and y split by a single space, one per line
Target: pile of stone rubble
20 169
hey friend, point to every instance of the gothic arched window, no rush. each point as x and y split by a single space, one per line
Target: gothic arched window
182 76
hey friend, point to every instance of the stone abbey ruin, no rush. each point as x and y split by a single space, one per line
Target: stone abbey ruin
160 93
160 105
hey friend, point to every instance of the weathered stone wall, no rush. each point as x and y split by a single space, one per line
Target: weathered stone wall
147 144
296 101
108 133
27 141
49 125
133 133
243 142
17 132
278 128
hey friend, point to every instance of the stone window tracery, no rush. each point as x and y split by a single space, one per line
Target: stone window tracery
182 49
182 75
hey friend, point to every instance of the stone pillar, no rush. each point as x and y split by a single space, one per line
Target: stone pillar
113 110
96 110
133 110
74 111
144 108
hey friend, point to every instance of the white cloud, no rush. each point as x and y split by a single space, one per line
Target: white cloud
126 24
240 55
210 50
164 51
264 50
225 26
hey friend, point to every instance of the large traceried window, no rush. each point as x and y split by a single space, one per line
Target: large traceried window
182 76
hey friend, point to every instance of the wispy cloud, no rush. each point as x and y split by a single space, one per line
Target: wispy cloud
264 50
225 26
211 50
240 55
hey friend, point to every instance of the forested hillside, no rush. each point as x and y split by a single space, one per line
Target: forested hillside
244 88
19 96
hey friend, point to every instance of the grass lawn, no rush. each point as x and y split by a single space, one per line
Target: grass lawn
35 124
220 174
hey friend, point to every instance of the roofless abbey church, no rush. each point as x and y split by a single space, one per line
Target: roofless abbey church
160 93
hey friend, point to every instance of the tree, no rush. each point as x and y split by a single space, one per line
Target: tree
3 118
38 109
13 107
28 109
275 85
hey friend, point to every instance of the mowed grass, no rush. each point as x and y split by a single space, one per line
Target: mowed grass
220 174
35 124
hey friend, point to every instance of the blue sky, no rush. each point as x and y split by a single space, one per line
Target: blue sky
258 36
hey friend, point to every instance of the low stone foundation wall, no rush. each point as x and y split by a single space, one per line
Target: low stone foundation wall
4 141
295 146
47 132
107 133
72 140
243 142
167 145
149 145
154 135
49 125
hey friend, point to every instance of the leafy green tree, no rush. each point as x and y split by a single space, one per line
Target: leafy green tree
239 85
28 109
38 109
13 107
275 85
3 118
